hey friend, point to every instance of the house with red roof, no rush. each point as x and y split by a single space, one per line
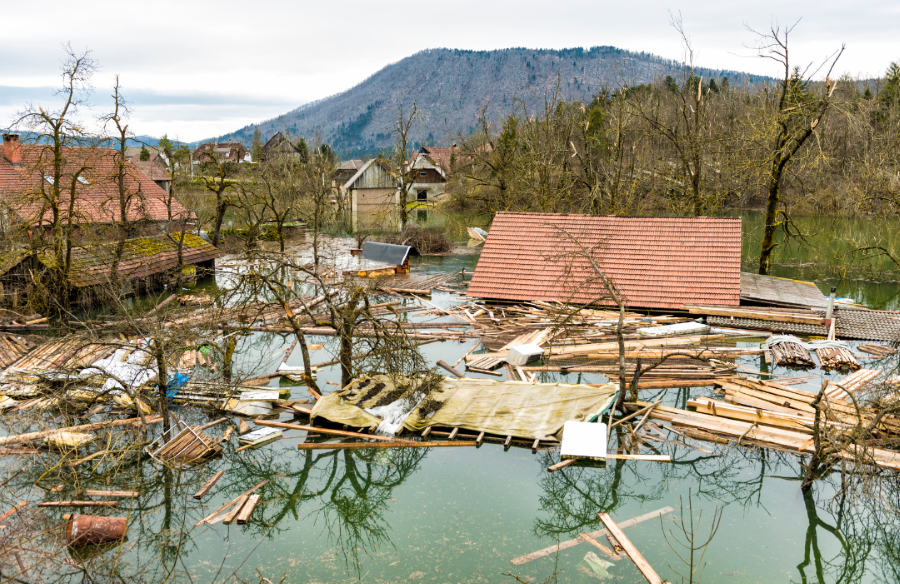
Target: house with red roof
88 191
653 262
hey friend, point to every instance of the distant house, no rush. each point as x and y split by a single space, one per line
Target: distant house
654 262
278 145
440 155
222 151
373 195
155 168
26 178
429 179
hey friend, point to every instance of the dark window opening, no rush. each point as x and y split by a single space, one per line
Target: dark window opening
422 195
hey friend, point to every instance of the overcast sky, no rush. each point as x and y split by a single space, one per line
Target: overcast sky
202 68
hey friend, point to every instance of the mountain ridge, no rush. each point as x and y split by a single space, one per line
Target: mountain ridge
451 86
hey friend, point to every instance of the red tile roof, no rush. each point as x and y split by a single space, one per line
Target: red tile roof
441 155
25 189
655 262
154 168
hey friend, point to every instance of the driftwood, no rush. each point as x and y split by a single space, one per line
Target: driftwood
19 438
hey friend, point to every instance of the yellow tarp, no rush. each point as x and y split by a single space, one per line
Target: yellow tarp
505 408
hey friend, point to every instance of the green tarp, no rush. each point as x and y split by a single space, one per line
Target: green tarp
504 408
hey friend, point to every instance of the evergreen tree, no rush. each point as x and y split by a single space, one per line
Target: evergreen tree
670 84
256 146
145 154
713 86
303 149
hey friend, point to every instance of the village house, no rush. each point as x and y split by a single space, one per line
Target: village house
429 180
154 223
279 145
223 151
373 194
26 177
155 168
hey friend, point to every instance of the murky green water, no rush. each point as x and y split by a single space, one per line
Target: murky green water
462 514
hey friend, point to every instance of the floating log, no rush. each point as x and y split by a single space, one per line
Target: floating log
449 368
15 509
88 529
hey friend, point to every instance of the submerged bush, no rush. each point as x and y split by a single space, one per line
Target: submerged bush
423 239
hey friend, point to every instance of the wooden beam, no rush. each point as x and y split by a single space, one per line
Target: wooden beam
573 542
229 504
329 431
247 509
78 504
608 552
642 565
348 445
123 494
208 485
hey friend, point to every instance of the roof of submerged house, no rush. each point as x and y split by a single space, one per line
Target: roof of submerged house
654 262
143 256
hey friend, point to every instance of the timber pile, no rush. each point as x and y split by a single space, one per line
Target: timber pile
792 355
404 284
779 428
769 396
838 358
878 350
851 383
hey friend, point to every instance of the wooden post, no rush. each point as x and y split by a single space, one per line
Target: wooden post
534 446
453 433
426 432
642 565
479 439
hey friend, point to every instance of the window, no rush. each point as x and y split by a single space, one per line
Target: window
83 180
421 195
48 178
423 173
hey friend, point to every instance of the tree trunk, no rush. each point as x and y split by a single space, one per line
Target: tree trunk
163 383
221 207
768 240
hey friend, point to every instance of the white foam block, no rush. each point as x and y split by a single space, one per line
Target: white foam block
583 440
522 354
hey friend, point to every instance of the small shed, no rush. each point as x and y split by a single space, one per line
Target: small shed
373 194
380 259
654 262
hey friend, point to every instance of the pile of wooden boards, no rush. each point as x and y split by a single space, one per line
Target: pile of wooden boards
878 350
772 416
837 358
187 445
789 354
851 383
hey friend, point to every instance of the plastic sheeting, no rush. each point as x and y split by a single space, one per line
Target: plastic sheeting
504 408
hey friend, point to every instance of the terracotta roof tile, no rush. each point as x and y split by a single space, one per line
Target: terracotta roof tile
655 262
97 201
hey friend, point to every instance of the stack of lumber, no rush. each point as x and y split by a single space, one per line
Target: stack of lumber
837 358
878 350
769 396
12 348
189 445
792 355
785 429
405 284
773 315
851 383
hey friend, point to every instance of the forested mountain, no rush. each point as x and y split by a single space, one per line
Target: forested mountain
451 87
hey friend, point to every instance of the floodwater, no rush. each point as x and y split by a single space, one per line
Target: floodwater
451 515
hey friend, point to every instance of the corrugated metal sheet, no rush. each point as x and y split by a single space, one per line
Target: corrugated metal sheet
655 262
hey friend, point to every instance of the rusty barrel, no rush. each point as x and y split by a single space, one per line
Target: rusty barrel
87 529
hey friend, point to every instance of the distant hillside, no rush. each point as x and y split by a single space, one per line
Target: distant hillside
451 87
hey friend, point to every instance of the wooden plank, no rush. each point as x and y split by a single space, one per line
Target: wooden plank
449 368
247 509
123 494
349 445
595 534
229 504
78 504
208 485
330 431
237 509
642 565
757 314
19 438
608 552
561 464
646 457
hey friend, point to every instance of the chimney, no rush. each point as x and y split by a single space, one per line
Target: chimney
11 150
